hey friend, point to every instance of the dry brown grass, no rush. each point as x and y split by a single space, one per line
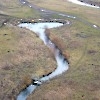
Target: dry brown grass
61 45
56 40
66 54
82 78
16 9
25 82
91 14
27 56
58 93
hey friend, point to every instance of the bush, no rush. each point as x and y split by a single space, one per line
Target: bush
58 42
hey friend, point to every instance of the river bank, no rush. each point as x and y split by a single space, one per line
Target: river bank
19 60
82 80
76 83
91 2
62 64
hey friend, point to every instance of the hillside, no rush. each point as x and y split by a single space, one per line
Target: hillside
24 56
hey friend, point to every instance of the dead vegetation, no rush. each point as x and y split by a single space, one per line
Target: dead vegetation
24 83
82 76
59 44
23 55
82 80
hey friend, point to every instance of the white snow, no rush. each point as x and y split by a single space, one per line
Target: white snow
64 15
82 3
94 26
23 95
24 2
42 10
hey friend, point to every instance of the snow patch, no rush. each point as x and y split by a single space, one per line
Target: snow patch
82 3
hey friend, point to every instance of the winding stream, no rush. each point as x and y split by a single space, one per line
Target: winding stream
39 29
62 63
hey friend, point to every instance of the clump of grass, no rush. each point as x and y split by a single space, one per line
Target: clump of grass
25 82
66 54
59 44
47 32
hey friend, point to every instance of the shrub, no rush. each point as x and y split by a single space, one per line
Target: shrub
58 42
66 54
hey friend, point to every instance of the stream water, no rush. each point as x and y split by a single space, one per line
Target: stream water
62 63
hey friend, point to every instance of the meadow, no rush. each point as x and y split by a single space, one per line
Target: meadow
23 55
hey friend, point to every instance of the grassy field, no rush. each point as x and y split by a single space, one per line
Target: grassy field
88 13
81 81
14 8
23 55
